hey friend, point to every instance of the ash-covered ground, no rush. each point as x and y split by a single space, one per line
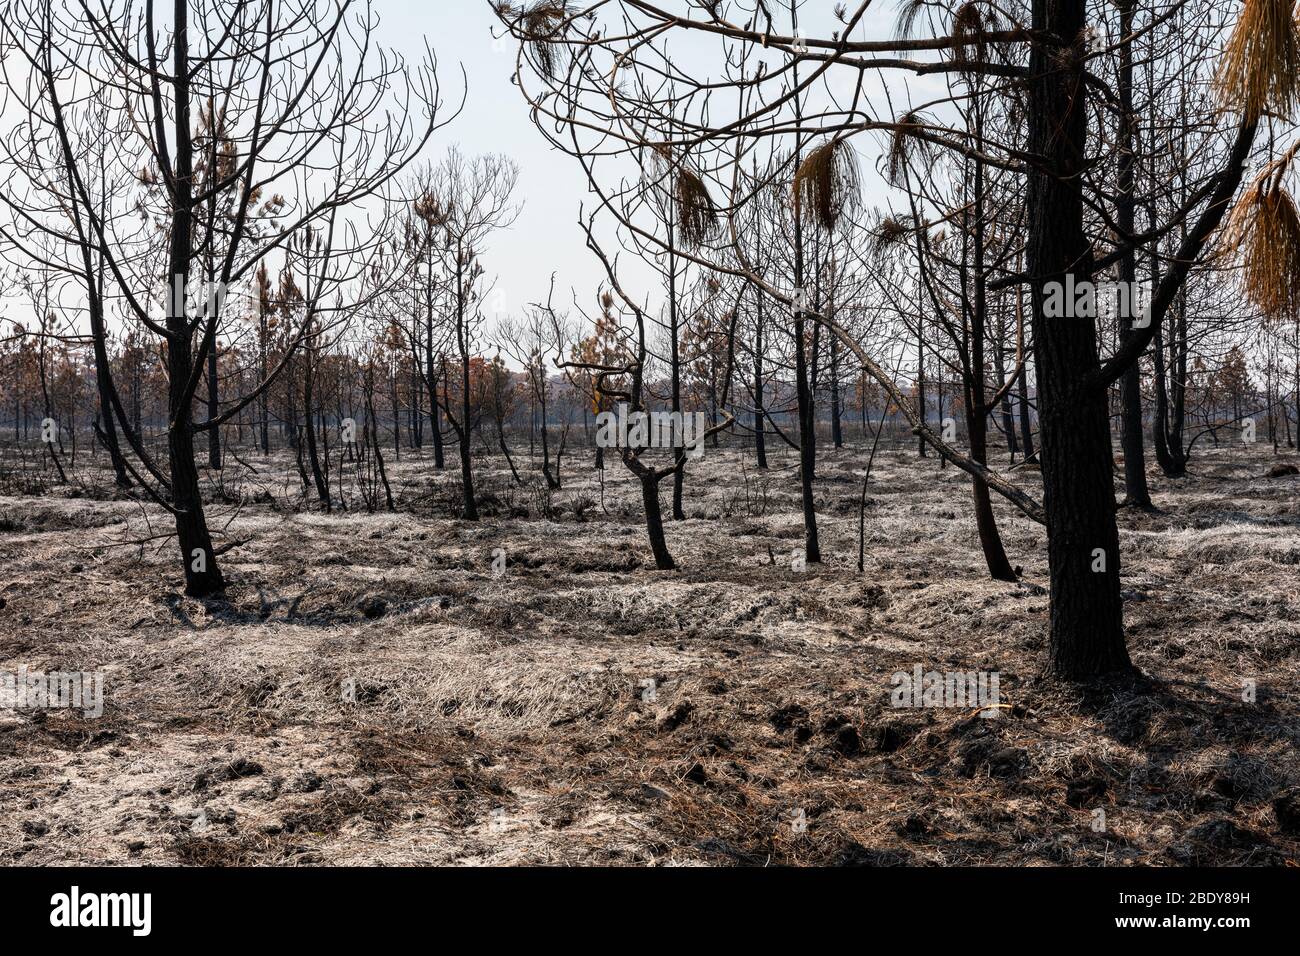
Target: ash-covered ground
371 691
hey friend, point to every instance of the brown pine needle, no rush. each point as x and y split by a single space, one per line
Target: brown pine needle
1260 71
826 182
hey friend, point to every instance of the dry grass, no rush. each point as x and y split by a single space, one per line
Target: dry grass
506 720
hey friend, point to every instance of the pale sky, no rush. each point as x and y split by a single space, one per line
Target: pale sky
546 238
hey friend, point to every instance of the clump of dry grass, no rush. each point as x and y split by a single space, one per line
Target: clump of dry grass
1260 71
826 182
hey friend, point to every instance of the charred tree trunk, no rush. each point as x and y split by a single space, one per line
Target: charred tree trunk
435 425
1026 423
462 338
202 575
837 431
435 418
1135 473
807 434
1086 638
372 430
1160 414
264 408
654 521
675 363
760 439
995 555
1004 406
920 378
103 377
807 449
214 411
309 425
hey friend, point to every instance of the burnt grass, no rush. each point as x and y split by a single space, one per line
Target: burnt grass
370 691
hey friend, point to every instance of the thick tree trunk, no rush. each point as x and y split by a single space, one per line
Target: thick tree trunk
202 575
814 382
1086 637
807 432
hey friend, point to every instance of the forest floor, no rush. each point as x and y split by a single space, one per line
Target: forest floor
371 691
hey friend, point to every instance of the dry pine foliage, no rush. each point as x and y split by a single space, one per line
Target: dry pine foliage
1260 70
1264 230
697 216
539 25
826 182
907 124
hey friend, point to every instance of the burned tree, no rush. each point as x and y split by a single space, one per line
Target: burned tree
1045 52
287 87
